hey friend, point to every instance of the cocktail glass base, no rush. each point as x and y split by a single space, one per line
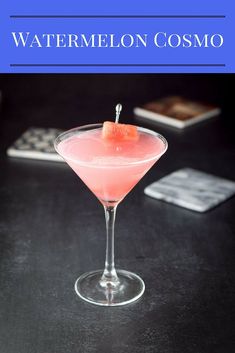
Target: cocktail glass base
90 288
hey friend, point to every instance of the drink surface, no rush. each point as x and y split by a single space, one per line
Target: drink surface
110 168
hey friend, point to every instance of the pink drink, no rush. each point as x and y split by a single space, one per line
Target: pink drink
110 161
111 168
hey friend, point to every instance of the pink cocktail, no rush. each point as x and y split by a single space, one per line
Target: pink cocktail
110 168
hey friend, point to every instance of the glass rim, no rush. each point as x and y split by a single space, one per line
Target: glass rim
61 137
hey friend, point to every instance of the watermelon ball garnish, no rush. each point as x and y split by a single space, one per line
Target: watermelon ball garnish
119 132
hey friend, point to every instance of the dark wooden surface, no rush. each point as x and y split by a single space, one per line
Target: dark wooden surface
52 230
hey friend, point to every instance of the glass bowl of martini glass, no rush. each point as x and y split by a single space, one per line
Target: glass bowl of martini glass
110 166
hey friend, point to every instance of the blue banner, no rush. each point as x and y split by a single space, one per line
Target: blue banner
117 37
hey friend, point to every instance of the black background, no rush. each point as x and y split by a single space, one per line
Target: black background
74 99
52 228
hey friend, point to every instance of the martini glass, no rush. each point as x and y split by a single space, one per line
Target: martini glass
110 169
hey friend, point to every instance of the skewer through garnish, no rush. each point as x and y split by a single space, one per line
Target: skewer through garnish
119 132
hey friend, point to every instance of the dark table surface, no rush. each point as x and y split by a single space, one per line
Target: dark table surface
52 230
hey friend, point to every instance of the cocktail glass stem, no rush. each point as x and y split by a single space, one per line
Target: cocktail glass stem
109 277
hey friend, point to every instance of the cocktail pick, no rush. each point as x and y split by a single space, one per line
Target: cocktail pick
118 111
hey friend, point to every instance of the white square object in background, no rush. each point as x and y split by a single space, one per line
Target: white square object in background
36 143
192 189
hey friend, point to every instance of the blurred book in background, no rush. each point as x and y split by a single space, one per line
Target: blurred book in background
177 111
36 143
